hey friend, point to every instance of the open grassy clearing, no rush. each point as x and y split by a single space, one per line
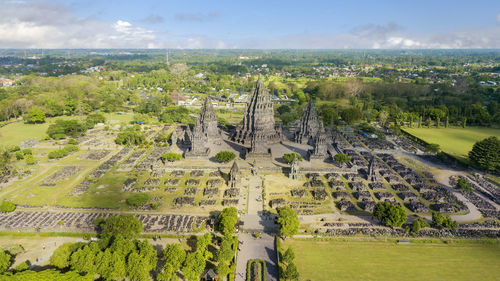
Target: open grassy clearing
15 133
364 259
456 141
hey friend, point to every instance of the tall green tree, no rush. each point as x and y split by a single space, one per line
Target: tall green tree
288 221
485 154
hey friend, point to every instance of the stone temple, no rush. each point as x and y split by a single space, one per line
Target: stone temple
320 145
309 124
204 132
258 121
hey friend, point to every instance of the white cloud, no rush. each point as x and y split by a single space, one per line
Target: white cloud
52 25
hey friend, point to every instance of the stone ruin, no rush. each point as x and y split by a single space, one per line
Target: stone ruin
63 174
299 193
214 182
277 203
232 192
28 143
320 146
230 202
309 124
294 168
172 181
234 176
210 192
319 194
184 201
190 191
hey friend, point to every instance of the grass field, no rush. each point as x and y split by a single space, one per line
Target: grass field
360 259
15 133
455 141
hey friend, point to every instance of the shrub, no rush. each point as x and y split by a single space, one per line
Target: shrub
7 207
342 158
27 151
19 155
63 152
464 184
288 157
137 200
131 136
171 157
224 156
390 215
30 160
73 141
440 220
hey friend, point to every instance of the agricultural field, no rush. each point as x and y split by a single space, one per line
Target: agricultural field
367 259
455 141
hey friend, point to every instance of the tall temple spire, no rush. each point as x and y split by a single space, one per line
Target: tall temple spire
309 124
204 131
258 118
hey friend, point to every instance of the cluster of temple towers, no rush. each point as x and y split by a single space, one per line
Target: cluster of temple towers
258 130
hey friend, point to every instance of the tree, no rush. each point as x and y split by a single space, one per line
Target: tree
382 117
485 154
288 157
222 269
194 266
61 256
353 87
84 259
291 272
94 118
34 116
126 226
168 273
288 221
73 128
390 215
7 206
174 255
224 156
171 157
342 158
227 221
288 256
5 261
351 115
225 252
137 268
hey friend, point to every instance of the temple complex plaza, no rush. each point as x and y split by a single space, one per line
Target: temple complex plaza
185 196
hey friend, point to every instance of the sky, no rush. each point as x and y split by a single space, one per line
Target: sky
236 24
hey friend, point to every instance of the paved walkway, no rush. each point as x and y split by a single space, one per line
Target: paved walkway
256 248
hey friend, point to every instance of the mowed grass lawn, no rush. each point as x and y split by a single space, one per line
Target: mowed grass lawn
15 133
456 141
379 260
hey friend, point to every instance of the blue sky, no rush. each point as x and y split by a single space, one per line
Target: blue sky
250 24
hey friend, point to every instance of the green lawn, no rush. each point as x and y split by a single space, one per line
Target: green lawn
360 259
456 141
15 133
